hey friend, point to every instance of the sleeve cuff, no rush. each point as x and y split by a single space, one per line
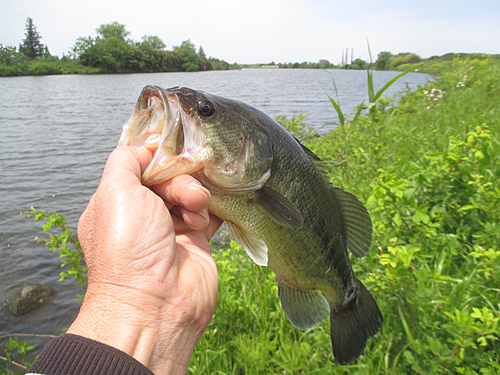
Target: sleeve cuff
73 354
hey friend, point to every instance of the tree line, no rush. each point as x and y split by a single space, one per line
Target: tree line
385 61
111 51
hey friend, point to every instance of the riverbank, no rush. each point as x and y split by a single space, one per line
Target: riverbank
53 66
44 67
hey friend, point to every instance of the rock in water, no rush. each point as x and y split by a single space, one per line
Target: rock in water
29 298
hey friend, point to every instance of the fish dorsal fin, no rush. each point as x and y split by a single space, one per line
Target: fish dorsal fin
304 309
278 207
315 159
311 155
356 222
255 247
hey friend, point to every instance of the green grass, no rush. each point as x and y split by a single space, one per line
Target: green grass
428 172
41 67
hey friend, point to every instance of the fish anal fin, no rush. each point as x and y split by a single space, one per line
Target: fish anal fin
255 247
278 207
304 309
356 221
353 325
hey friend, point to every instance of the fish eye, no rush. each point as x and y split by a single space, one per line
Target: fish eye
206 108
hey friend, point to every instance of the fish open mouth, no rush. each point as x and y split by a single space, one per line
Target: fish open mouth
160 124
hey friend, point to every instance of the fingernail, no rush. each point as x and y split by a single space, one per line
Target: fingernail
205 214
196 220
197 185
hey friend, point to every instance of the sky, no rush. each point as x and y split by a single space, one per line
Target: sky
261 31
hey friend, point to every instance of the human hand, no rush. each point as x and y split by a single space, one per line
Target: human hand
152 281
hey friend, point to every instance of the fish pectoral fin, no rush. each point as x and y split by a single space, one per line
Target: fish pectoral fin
356 220
255 247
304 309
278 207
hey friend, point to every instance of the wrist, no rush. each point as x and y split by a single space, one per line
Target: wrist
146 327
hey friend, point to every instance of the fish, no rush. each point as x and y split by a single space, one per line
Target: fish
276 198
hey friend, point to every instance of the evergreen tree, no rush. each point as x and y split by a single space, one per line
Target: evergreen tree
46 52
203 62
32 46
201 53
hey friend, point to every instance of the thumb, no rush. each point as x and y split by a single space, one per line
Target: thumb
125 165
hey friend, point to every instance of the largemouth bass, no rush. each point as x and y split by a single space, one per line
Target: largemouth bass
276 199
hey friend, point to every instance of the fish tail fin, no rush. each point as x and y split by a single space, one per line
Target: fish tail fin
353 325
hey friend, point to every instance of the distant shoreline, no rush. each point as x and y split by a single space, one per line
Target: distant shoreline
53 66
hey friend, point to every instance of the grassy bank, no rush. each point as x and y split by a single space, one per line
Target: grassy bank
45 67
427 170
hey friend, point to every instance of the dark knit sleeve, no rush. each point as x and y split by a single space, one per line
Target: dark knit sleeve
72 354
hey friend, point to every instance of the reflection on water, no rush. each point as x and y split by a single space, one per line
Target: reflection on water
57 132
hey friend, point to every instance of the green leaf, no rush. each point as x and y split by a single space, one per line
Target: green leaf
355 121
397 220
371 95
389 84
338 110
405 325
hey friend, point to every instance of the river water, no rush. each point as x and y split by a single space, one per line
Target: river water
57 131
